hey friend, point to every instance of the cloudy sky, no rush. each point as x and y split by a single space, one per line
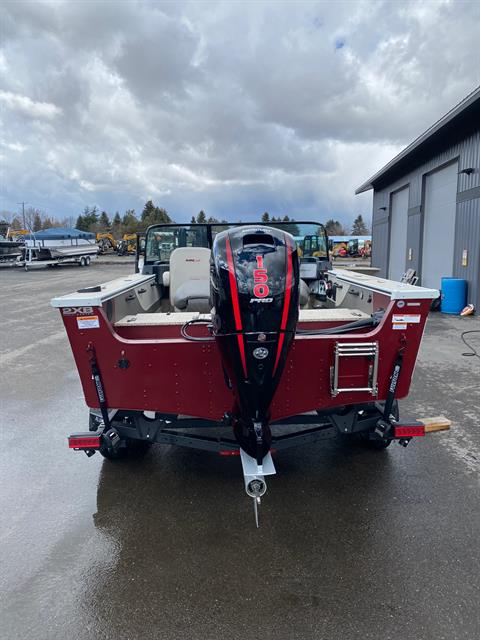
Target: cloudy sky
231 107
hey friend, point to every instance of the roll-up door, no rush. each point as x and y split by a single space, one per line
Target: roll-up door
398 234
439 225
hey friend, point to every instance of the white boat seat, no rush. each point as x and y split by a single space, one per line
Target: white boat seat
193 295
189 279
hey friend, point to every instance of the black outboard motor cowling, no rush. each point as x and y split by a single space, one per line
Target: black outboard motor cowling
255 289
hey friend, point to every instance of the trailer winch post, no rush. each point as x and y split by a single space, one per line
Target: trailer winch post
97 380
384 425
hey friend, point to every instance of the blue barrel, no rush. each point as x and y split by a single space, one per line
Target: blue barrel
454 295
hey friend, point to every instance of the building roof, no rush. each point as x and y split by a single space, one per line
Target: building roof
468 108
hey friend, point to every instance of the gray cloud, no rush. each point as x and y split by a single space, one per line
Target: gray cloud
230 107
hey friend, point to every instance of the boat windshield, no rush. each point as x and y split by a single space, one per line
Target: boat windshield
163 239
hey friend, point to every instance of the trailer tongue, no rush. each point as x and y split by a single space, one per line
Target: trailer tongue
243 340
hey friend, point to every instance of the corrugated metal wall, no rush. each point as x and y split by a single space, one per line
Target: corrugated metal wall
467 234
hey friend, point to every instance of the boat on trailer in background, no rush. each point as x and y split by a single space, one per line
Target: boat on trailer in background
10 250
242 340
55 246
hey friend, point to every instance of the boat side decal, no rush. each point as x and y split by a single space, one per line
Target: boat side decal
77 311
88 322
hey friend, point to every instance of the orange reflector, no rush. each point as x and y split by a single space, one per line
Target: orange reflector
84 442
409 431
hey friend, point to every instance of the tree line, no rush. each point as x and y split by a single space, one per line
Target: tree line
96 221
336 228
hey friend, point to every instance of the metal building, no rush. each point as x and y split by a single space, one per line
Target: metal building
426 203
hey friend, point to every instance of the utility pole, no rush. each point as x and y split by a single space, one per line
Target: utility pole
23 212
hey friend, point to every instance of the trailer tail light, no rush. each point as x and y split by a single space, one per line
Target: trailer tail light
81 441
409 430
236 452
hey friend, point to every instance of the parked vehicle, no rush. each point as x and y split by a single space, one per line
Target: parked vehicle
106 242
127 245
229 342
10 251
55 246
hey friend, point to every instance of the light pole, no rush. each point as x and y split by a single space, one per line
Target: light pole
23 212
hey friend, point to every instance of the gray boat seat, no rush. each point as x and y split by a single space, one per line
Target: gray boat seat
193 295
190 279
304 293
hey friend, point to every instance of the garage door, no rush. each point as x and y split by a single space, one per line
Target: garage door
398 234
439 225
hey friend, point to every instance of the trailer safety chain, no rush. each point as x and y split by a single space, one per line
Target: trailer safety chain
97 380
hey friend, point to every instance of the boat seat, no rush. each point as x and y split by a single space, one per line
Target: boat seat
189 279
193 295
304 293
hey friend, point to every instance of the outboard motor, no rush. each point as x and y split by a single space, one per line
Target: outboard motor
255 289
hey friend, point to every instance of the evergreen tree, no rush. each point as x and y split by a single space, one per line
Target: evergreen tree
104 221
129 222
193 221
87 220
116 225
148 211
153 215
334 228
201 218
359 227
37 222
265 217
80 224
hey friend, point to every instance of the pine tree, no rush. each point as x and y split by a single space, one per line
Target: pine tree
359 227
334 228
266 217
201 218
148 211
116 224
104 221
80 224
37 222
129 222
193 221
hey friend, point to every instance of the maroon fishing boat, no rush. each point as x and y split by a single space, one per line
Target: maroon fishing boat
242 339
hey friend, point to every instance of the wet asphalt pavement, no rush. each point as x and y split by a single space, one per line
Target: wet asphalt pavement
353 543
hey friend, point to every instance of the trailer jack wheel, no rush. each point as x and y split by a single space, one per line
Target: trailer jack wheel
379 443
130 448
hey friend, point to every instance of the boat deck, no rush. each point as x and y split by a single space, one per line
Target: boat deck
171 319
